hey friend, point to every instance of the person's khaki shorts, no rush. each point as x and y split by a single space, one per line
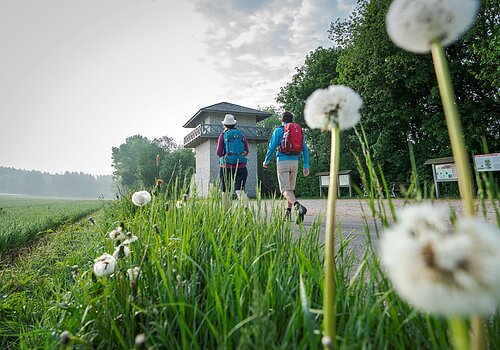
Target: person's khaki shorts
287 174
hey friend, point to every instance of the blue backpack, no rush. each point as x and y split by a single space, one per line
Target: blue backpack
234 147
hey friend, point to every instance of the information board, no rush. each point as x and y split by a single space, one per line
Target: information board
344 180
325 180
446 172
487 162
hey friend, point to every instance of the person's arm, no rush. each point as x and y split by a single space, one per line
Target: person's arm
271 148
305 157
220 145
247 149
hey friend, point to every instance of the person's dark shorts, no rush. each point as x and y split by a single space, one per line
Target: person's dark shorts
238 175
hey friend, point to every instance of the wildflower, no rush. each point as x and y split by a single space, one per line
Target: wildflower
104 265
157 228
117 234
414 25
179 204
65 338
92 220
141 198
133 276
443 273
130 238
140 341
74 271
327 342
335 107
158 160
159 182
122 251
166 206
185 197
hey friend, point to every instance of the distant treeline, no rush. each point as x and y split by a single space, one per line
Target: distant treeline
69 184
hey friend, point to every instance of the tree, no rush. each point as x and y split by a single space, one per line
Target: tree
166 143
318 72
400 92
135 161
179 164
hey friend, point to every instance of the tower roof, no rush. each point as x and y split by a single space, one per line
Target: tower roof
225 107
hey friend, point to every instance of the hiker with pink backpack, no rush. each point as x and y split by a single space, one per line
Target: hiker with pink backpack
290 141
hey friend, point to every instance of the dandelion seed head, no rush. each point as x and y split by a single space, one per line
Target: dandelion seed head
335 107
447 274
419 220
104 265
65 338
133 275
117 234
122 251
156 228
413 25
130 238
140 341
326 341
141 198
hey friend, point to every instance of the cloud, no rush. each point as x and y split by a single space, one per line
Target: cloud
256 45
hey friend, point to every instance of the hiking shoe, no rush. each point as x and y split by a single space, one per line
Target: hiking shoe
301 211
287 216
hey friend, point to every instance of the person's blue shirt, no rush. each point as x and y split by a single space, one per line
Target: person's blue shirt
275 142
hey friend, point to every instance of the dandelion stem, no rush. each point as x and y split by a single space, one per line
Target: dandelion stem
454 127
329 291
461 158
459 336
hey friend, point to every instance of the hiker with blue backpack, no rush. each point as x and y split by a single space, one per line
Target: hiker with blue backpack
290 142
232 148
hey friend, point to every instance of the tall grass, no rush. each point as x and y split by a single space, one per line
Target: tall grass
210 279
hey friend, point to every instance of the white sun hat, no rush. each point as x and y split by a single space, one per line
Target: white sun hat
229 120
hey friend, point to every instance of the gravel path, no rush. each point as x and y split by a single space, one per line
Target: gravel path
351 213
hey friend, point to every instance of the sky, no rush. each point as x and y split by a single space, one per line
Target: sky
77 77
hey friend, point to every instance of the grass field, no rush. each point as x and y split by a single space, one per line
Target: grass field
208 281
23 218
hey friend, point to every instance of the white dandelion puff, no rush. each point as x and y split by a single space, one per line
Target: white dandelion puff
117 234
443 273
414 24
141 198
335 107
133 275
140 341
104 265
486 244
422 219
130 238
122 251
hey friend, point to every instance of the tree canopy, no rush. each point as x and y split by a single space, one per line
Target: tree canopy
135 162
399 90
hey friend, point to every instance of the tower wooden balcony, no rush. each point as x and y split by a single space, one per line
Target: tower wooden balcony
204 132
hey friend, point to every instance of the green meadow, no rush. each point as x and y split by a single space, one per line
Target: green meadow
240 280
22 219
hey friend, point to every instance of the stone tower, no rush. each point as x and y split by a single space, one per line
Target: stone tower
207 128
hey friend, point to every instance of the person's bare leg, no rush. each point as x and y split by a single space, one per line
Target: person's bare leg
290 198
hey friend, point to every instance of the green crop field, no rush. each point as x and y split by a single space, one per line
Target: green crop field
23 218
